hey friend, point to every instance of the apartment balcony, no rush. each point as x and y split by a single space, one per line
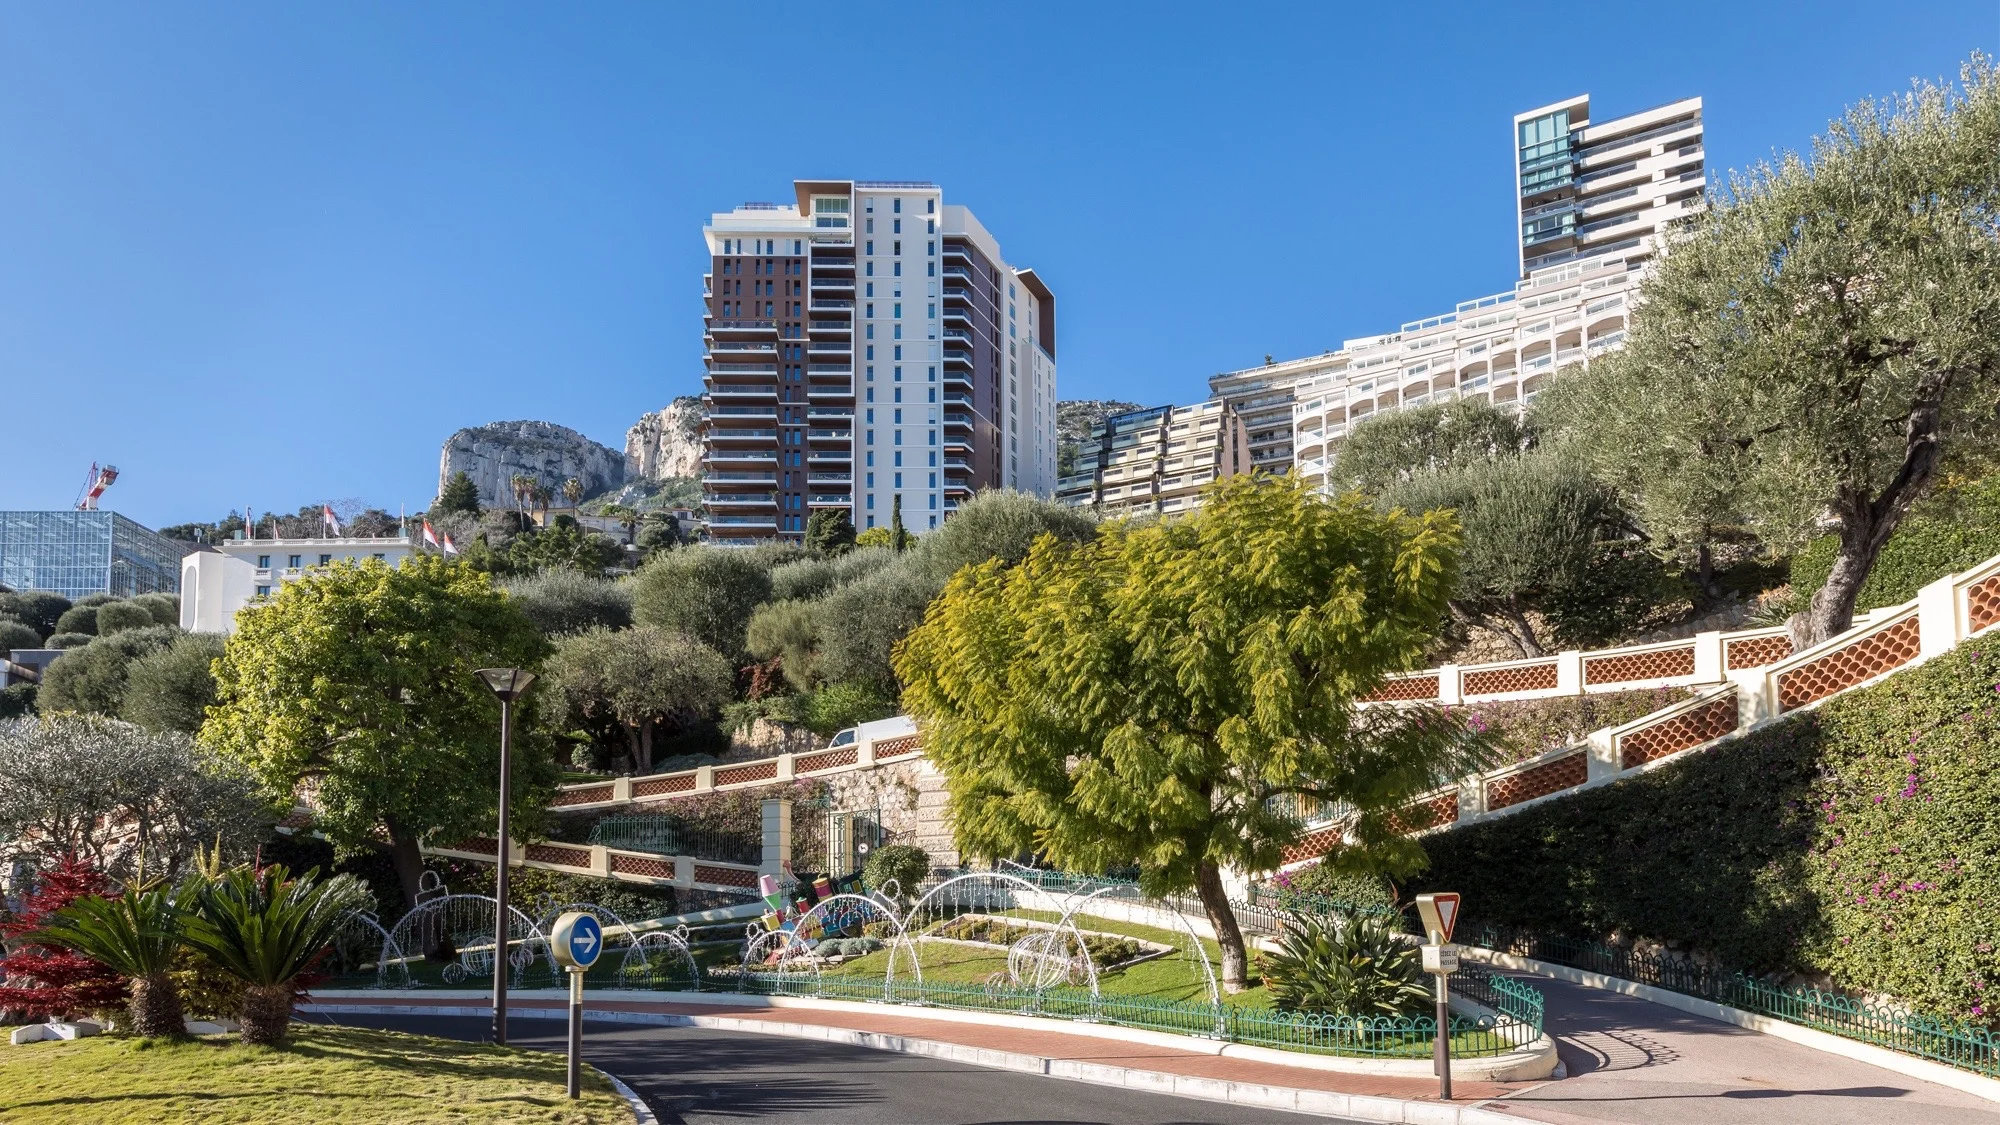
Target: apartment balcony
830 500
739 328
820 480
822 283
829 434
737 541
825 304
829 394
741 370
839 329
958 356
958 397
953 378
719 434
763 412
957 293
831 351
956 271
742 522
954 419
734 351
953 315
953 441
728 394
830 413
959 334
741 478
739 460
740 501
830 455
832 262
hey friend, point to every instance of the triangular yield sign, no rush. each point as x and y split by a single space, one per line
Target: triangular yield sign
1447 908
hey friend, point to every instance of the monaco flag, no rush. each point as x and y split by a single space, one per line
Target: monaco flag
327 518
429 535
450 548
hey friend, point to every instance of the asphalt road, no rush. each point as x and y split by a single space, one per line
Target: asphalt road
698 1076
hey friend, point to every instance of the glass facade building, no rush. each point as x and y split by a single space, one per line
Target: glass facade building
76 553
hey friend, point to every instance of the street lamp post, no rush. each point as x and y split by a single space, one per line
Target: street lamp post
507 685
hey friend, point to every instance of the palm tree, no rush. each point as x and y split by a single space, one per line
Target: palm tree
572 491
266 928
134 935
542 494
626 516
523 486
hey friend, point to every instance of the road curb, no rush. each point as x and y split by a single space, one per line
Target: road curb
1327 1103
642 1114
1909 1066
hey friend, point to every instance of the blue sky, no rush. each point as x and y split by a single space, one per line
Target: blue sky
275 254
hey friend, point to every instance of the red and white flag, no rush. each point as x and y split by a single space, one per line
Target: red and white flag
450 548
429 535
327 518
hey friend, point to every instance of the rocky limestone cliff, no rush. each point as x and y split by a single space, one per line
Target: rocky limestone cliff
666 443
493 453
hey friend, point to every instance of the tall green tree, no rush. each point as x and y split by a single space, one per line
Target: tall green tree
1140 698
172 688
829 531
354 688
898 538
1395 447
645 682
1822 337
708 593
459 495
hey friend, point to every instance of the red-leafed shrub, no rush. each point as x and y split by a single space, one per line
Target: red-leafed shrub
36 981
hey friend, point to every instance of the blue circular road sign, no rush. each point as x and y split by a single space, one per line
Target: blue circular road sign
577 940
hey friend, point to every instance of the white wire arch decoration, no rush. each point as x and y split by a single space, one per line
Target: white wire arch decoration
668 942
524 938
793 948
1016 887
392 968
1195 948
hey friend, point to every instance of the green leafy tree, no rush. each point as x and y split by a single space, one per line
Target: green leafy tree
267 929
875 537
811 578
1832 327
1395 447
565 546
998 524
836 707
93 678
17 700
1140 698
172 688
899 540
906 864
627 517
788 630
459 495
37 610
659 532
68 640
134 935
567 601
572 490
829 531
355 684
1531 524
165 608
860 623
708 593
645 681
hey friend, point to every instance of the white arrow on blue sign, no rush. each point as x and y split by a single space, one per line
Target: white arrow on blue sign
579 939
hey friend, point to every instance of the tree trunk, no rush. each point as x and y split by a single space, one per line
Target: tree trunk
408 859
646 748
266 1014
1704 570
155 1008
1215 901
1866 524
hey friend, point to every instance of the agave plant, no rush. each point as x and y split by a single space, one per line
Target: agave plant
1347 964
134 935
267 928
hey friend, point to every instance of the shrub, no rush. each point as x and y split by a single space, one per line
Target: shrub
165 608
116 617
813 577
836 707
562 601
17 700
789 630
69 640
15 635
907 864
1324 881
708 593
172 688
90 600
1854 841
78 619
998 523
36 609
93 677
1345 964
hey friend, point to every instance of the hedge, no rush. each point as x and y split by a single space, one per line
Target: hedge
1859 844
1524 728
1955 529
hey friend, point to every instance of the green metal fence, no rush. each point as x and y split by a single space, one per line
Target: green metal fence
1956 1044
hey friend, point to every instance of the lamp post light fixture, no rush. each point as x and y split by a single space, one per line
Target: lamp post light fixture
507 685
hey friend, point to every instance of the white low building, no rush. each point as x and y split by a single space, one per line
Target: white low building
219 580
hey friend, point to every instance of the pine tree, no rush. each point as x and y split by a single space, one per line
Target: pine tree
43 981
459 495
897 536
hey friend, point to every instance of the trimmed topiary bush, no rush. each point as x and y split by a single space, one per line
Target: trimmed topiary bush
907 864
78 619
116 617
1855 843
36 609
165 608
69 640
15 635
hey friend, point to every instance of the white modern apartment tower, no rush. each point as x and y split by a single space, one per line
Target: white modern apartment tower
865 343
1156 460
1590 189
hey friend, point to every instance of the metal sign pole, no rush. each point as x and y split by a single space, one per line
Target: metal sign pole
577 1029
1439 912
1442 1052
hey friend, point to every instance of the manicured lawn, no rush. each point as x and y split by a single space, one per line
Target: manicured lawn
1173 977
331 1075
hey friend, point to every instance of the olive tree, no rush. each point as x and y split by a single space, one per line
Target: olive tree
645 681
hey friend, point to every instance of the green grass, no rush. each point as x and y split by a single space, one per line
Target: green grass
323 1076
1173 977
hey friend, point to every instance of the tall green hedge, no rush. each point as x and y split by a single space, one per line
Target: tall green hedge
1860 841
1949 531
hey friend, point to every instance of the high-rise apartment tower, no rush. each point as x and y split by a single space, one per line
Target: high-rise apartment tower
1589 189
865 343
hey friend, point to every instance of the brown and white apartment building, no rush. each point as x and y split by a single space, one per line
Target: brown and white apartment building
864 342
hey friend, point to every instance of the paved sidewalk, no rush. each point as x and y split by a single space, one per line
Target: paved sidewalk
1630 1060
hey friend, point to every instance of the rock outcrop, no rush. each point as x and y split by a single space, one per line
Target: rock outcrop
492 454
666 443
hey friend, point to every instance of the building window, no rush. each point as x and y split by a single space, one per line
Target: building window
870 244
931 226
871 506
263 562
899 351
932 315
870 272
871 373
899 416
871 292
899 242
899 310
899 437
899 331
263 591
898 271
871 351
325 559
933 507
871 437
379 557
896 205
295 562
899 480
932 268
933 480
933 374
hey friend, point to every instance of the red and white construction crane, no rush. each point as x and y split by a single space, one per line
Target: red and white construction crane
101 478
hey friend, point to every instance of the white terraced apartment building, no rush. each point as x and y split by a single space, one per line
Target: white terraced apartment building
1595 200
1156 460
866 342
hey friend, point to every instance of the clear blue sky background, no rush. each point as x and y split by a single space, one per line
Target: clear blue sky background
275 253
